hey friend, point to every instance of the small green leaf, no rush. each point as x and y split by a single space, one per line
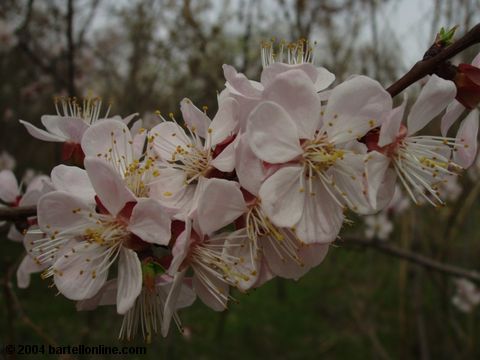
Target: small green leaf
445 37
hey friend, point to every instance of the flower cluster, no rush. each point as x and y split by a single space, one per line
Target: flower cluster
198 206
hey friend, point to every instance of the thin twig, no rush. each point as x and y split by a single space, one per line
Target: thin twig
417 259
17 213
428 66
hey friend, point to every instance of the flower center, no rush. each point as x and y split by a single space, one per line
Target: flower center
297 52
88 109
321 155
421 161
194 161
283 241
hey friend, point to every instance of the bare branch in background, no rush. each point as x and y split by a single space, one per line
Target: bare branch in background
17 213
70 48
417 259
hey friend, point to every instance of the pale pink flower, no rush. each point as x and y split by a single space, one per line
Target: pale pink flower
73 118
421 162
378 226
112 142
183 160
218 261
323 166
84 240
467 295
223 202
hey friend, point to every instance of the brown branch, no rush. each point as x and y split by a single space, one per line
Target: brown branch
416 259
17 213
429 66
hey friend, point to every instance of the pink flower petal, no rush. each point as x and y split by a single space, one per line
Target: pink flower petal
272 135
129 280
295 92
249 168
355 107
194 117
225 122
205 294
42 134
271 72
391 126
110 140
219 205
376 168
27 267
324 79
59 211
108 185
151 222
434 97
239 84
321 217
74 180
283 196
168 137
453 112
171 301
77 275
106 296
238 245
8 187
466 151
70 128
225 161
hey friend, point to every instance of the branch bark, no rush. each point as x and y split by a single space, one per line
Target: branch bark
426 67
417 259
17 213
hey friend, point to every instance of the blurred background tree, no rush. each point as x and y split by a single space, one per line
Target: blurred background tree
146 55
